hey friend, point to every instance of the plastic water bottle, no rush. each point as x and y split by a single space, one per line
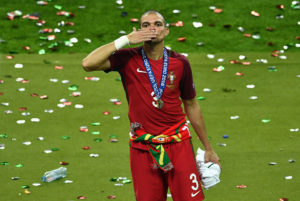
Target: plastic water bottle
52 175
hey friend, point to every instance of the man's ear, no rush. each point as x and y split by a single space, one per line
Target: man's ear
167 31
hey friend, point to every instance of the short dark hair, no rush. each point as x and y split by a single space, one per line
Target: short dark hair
154 12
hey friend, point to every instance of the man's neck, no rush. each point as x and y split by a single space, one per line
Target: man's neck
154 51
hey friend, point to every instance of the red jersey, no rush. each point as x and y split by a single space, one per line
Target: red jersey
140 96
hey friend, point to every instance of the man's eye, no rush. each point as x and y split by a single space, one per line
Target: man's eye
145 25
158 24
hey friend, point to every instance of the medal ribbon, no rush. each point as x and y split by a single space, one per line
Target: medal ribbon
157 90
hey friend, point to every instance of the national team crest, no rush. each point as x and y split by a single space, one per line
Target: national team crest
172 78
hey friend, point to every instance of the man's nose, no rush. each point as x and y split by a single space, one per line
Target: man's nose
152 27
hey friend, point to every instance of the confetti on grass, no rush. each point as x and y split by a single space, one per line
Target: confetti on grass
50 37
241 186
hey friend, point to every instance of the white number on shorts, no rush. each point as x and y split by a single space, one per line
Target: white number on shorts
193 177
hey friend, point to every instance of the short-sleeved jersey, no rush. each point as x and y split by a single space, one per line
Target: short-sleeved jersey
140 96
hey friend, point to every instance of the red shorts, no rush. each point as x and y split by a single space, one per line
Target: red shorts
151 183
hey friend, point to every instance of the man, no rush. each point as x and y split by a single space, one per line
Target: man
157 81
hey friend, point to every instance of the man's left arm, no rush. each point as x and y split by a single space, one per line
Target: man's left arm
193 111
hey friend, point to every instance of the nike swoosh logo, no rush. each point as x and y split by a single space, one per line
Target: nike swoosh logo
140 71
194 194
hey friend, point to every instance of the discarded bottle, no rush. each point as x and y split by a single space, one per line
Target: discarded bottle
52 175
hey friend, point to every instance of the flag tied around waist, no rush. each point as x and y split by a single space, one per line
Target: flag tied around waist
174 134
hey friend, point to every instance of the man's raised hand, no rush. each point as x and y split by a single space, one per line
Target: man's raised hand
139 36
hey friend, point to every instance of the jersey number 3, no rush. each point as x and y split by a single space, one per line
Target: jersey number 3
154 102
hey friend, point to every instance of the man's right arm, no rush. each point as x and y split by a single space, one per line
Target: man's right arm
99 58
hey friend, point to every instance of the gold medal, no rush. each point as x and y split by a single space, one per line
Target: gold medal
160 103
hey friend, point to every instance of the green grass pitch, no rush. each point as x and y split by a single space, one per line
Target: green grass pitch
245 159
102 21
262 122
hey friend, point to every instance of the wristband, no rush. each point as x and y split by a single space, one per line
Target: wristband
121 42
